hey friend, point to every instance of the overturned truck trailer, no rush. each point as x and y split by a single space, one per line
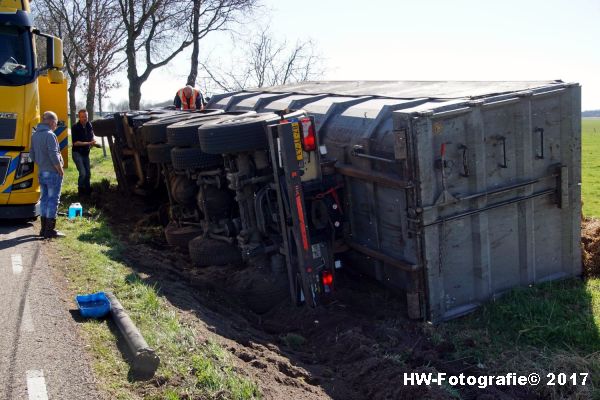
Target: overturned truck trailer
455 192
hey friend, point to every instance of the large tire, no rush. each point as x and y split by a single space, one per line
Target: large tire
155 131
193 158
185 133
133 114
206 252
237 134
140 120
104 127
181 236
159 153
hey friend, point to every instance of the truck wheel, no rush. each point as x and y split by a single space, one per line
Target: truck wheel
185 133
155 131
140 120
181 236
206 252
104 127
159 153
232 135
193 158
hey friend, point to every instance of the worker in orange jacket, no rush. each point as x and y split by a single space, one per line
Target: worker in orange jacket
188 98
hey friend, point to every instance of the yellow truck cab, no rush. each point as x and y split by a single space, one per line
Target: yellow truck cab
27 86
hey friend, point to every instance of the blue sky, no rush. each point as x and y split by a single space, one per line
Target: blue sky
436 40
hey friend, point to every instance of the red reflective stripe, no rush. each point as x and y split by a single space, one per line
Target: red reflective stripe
303 234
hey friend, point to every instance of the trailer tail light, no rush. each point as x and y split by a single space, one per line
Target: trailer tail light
327 279
309 136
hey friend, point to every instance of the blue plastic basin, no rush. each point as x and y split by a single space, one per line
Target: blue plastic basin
94 305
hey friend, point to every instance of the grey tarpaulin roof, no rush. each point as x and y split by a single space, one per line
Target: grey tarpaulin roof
410 89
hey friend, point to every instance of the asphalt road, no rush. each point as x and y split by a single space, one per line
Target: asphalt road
41 355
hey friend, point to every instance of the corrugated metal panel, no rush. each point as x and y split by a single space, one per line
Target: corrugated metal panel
291 101
509 148
504 238
254 102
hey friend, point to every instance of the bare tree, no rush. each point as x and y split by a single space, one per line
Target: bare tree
210 16
268 62
91 42
195 31
151 27
101 46
154 34
63 19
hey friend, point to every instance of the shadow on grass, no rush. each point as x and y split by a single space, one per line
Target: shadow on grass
69 195
103 236
554 316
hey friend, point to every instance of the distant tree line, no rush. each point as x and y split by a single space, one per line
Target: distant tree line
590 113
104 37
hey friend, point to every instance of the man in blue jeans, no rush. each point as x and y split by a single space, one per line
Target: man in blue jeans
82 136
46 154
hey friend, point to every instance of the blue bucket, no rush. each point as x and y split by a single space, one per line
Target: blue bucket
94 305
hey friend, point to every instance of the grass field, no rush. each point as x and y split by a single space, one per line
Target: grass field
590 166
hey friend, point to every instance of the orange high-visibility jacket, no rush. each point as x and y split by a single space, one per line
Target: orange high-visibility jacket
188 104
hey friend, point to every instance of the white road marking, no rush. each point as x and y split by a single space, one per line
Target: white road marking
36 385
26 320
17 263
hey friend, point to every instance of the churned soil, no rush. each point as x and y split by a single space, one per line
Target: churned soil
590 241
357 347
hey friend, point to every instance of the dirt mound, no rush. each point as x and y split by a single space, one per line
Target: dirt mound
590 241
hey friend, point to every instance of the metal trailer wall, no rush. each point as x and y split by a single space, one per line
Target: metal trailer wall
500 208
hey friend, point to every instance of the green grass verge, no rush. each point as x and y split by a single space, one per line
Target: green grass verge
191 367
102 170
590 166
548 328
